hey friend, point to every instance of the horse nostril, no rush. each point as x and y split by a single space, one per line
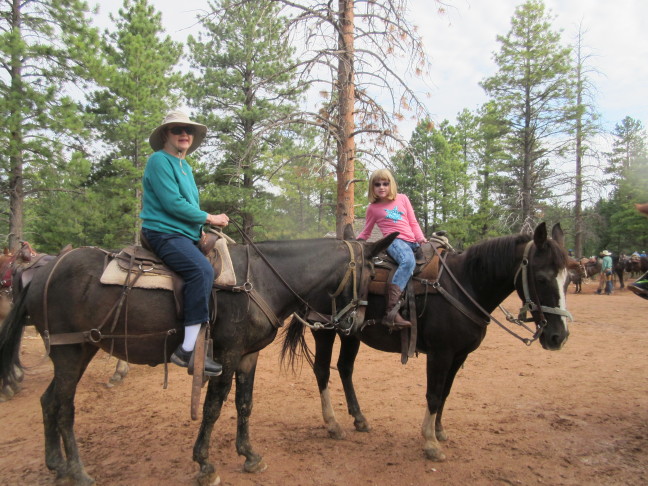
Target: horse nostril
558 340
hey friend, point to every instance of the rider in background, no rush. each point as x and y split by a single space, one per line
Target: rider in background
605 279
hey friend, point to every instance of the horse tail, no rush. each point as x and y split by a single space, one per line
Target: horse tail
11 331
294 347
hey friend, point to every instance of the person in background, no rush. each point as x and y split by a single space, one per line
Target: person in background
172 223
392 212
605 279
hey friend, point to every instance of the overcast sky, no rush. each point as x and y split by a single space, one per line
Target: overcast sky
461 43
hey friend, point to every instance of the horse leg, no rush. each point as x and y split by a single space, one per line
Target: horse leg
324 340
452 373
121 370
70 362
438 365
244 388
217 391
9 391
53 454
348 353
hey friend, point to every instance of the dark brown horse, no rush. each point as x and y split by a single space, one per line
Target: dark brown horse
274 279
576 274
636 266
451 328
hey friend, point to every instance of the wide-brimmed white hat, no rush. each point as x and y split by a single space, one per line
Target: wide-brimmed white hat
606 253
181 118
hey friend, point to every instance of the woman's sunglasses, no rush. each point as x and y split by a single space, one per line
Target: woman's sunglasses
188 129
384 184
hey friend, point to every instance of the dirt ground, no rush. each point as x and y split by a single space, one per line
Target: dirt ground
517 415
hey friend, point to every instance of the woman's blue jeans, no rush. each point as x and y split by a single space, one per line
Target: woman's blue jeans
403 252
181 254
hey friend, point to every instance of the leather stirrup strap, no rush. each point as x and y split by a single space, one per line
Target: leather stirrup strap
198 369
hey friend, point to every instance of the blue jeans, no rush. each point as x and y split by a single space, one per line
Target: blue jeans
403 252
182 255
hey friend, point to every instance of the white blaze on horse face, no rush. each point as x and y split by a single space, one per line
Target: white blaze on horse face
561 278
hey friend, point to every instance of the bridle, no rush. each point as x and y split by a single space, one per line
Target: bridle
531 300
353 312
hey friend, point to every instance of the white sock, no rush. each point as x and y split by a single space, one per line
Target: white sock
191 334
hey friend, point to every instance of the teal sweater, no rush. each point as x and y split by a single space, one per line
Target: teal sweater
170 203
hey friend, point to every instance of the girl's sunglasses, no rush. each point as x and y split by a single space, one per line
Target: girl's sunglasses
188 129
384 184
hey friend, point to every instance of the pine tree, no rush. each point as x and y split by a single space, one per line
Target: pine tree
138 82
585 130
45 47
628 168
532 89
246 92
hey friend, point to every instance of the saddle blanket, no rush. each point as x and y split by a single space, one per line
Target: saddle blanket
116 275
158 276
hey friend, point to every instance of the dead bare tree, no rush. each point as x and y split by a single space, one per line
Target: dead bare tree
360 56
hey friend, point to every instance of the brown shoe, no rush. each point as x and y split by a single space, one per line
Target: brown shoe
393 318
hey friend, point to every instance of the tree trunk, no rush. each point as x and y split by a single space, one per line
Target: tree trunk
16 190
345 143
578 210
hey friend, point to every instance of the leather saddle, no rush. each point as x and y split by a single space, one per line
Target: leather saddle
27 263
425 273
140 267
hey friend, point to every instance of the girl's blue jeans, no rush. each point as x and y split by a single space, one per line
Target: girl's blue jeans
181 254
403 252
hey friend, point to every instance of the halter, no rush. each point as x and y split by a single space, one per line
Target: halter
533 305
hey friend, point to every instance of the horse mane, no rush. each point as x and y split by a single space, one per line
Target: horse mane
492 258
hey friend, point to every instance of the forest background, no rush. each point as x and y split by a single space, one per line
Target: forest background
302 100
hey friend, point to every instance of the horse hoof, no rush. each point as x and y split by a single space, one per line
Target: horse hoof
255 466
441 435
435 455
6 394
68 480
362 426
212 479
336 433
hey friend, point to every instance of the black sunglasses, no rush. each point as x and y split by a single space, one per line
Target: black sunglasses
384 184
188 129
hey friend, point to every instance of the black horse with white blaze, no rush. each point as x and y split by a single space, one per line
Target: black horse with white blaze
449 328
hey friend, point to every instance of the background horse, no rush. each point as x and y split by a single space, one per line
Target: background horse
636 267
449 331
576 274
65 299
593 267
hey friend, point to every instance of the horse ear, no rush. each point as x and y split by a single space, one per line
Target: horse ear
348 232
540 235
375 248
557 234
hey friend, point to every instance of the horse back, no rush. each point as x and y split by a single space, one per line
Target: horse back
66 299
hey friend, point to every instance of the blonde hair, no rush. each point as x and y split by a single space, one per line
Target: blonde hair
382 175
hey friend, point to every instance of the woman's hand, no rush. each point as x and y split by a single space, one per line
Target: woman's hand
221 220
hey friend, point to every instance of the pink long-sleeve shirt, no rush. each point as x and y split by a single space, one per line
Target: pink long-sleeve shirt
397 215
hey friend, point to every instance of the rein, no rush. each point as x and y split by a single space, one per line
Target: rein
353 311
529 304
